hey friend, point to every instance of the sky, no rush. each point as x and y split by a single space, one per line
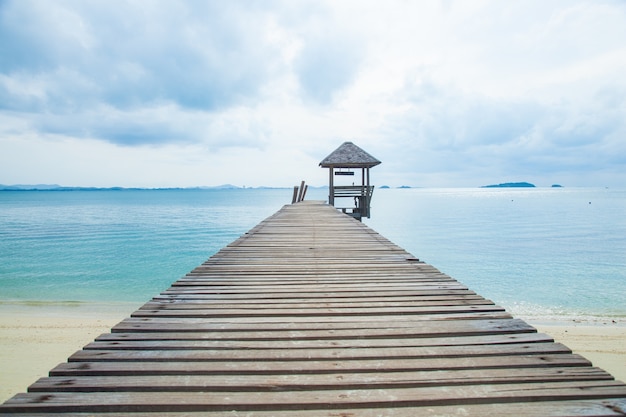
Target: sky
256 93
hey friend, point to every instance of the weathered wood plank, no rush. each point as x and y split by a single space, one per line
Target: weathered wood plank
315 312
326 381
391 295
330 321
313 399
314 366
187 344
311 289
95 355
181 302
267 281
157 329
452 323
582 408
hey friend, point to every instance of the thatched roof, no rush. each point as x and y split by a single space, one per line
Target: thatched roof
348 155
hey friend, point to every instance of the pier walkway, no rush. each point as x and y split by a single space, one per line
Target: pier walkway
311 313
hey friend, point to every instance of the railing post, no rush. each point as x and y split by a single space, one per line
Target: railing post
331 188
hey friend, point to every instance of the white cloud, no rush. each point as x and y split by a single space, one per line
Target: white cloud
444 93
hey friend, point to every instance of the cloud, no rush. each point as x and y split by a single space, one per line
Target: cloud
92 70
198 55
452 92
329 59
451 132
65 57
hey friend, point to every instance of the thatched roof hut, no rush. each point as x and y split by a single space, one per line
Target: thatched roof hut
348 155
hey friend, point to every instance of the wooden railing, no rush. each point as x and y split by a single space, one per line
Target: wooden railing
361 195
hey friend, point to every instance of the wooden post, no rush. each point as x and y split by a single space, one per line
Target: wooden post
306 187
362 178
363 194
295 194
301 195
331 188
368 193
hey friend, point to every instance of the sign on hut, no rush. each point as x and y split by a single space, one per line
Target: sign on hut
353 199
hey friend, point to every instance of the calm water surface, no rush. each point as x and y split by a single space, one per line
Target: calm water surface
539 252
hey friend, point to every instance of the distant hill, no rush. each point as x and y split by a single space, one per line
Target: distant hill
30 187
510 185
56 187
219 187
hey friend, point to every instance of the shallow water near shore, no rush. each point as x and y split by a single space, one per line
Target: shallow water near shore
550 254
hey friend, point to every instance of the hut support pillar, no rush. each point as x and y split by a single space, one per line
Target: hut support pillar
367 194
331 188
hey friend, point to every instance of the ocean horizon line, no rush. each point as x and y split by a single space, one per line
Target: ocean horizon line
57 187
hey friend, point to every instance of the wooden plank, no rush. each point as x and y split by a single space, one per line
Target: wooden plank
311 289
194 344
315 381
183 302
391 295
312 399
430 323
161 329
584 408
314 366
315 312
95 355
316 280
330 321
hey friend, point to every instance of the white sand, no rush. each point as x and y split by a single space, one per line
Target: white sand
604 345
34 338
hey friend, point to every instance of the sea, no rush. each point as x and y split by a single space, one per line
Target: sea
545 254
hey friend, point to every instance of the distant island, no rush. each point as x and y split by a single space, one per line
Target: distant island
29 187
56 187
510 185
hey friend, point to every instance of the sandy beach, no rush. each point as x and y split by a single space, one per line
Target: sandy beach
34 338
603 344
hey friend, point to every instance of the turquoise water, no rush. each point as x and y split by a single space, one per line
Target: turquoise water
541 253
122 245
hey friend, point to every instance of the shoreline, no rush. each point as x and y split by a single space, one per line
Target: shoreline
37 336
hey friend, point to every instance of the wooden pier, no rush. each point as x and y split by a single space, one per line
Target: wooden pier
312 313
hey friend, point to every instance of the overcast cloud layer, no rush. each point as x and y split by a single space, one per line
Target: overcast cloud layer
449 93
